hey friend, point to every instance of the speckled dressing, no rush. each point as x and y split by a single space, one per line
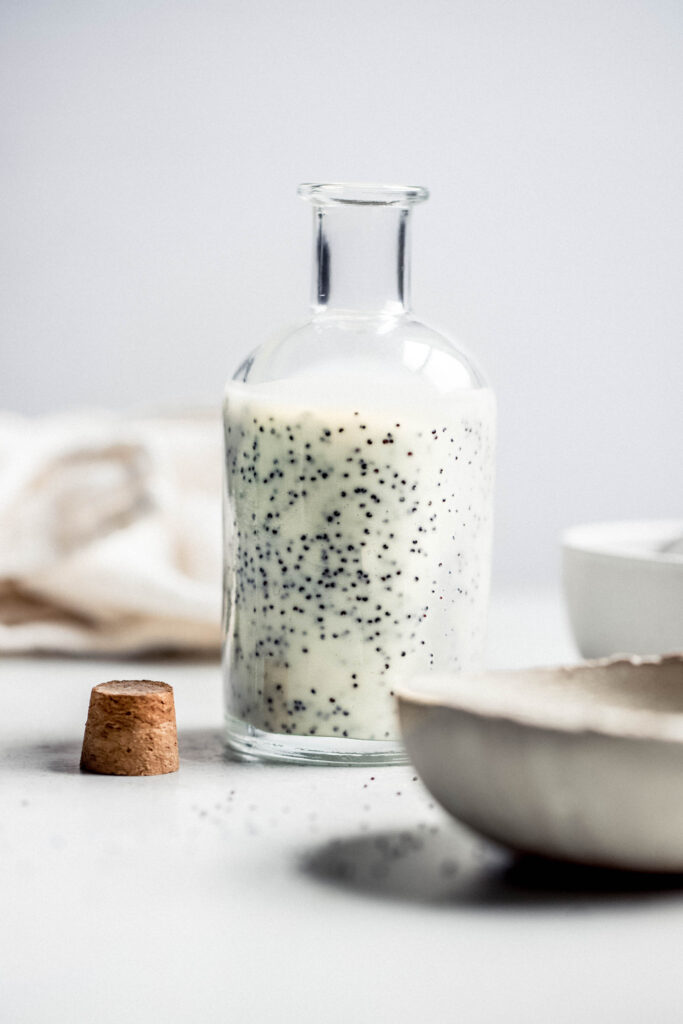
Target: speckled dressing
357 550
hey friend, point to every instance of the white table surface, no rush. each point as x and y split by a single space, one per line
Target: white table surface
250 893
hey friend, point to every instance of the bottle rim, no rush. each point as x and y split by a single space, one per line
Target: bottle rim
342 193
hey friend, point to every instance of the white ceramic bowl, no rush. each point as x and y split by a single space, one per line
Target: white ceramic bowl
623 584
583 764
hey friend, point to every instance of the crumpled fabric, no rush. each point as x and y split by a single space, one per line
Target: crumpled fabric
110 537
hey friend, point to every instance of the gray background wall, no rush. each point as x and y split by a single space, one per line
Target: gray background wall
151 233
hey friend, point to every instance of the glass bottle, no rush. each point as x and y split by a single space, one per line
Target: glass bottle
357 505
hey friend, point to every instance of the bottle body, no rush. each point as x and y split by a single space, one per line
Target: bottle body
357 516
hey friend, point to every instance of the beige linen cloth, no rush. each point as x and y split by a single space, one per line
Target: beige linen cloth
110 532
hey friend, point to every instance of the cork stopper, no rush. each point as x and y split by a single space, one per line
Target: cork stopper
131 729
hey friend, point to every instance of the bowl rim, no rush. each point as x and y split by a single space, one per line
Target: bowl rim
626 540
469 692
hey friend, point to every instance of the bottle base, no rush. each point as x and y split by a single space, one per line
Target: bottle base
246 743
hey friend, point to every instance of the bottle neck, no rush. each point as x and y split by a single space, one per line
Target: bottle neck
361 263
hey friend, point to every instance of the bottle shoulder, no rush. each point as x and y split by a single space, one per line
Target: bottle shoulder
365 347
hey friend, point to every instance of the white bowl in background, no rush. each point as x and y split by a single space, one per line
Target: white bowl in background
583 764
623 584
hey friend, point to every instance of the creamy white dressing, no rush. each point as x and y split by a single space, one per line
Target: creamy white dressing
358 534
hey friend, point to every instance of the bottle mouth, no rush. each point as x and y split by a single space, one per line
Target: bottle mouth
343 193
